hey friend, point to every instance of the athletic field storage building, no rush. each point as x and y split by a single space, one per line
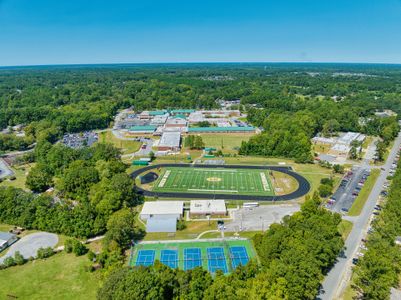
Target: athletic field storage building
172 209
207 208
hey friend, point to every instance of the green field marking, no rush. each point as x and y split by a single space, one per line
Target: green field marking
216 180
202 245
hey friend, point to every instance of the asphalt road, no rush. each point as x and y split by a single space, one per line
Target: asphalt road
28 245
336 279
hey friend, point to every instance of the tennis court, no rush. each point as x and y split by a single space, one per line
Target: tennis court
215 180
192 258
211 254
216 260
169 258
239 256
145 258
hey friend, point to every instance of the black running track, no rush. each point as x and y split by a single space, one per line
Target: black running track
303 184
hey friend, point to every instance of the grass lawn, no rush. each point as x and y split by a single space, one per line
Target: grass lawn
194 228
243 234
345 228
61 276
20 176
321 148
283 184
126 146
360 201
219 180
225 142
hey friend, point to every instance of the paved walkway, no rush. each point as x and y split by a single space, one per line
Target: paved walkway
28 245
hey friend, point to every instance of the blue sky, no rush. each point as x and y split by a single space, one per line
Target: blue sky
70 31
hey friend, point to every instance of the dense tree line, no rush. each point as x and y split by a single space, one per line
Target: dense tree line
54 100
294 257
379 269
12 142
91 184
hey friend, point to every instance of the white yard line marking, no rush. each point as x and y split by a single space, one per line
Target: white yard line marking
164 179
201 190
265 184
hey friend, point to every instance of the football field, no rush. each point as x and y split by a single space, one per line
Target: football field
215 180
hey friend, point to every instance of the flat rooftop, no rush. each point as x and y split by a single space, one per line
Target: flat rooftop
208 207
162 207
170 139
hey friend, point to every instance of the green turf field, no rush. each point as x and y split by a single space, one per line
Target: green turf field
216 180
202 246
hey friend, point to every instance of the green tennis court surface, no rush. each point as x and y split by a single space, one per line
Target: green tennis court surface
216 180
212 255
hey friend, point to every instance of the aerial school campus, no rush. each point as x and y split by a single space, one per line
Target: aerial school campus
207 182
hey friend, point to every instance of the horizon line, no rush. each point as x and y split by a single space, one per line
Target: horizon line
197 62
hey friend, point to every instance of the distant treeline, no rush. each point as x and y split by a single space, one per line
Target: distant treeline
77 98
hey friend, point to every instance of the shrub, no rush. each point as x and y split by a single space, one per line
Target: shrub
19 259
9 262
45 252
181 225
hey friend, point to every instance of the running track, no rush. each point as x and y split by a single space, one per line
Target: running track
303 184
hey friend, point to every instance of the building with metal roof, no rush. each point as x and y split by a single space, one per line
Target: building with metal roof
143 129
181 111
221 129
161 224
170 141
165 209
157 112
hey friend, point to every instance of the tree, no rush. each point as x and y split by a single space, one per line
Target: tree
121 229
152 155
77 179
39 178
325 190
330 127
133 283
338 169
381 148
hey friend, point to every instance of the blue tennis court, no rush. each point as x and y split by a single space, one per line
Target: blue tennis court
216 259
192 258
239 256
169 258
145 258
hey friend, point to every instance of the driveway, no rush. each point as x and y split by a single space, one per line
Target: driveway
29 245
260 218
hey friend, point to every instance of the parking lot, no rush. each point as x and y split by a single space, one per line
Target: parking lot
348 190
259 218
29 245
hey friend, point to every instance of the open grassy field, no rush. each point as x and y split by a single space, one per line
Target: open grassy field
218 180
20 176
321 148
360 201
126 146
193 229
210 254
61 276
225 142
